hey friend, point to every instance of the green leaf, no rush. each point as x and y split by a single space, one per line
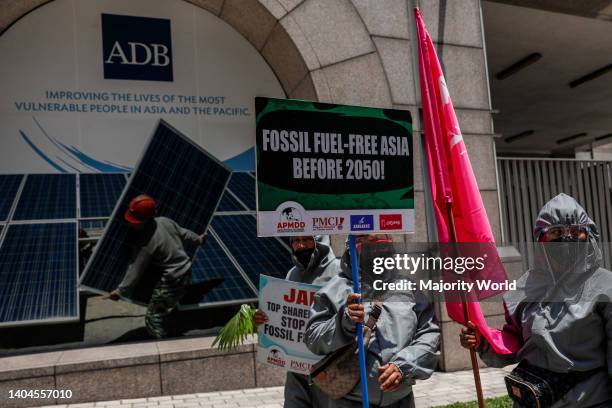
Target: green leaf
237 329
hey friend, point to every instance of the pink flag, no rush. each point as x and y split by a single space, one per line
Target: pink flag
453 182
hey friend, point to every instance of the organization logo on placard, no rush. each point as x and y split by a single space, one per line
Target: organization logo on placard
327 224
390 221
275 356
290 219
362 222
136 48
302 366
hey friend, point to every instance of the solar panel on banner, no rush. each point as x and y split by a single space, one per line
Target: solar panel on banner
212 263
255 255
99 193
38 274
47 197
187 184
93 224
229 203
242 184
9 185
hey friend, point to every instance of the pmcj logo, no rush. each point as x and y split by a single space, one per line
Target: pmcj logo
362 222
136 48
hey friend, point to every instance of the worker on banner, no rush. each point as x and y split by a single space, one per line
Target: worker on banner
561 314
161 245
402 345
314 263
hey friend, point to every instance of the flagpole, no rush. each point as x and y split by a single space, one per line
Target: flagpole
426 101
466 312
357 289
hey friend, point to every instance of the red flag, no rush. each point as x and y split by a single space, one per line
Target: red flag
453 182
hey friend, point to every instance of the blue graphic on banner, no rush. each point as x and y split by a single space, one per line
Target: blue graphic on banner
69 159
244 161
362 222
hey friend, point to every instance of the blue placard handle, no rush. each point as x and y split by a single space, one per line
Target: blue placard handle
357 289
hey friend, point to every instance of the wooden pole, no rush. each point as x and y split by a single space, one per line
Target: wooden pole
466 313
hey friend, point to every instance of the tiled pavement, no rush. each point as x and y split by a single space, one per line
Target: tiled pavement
442 388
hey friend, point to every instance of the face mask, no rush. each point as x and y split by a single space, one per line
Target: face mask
563 254
565 238
304 256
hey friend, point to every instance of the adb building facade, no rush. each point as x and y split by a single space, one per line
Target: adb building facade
85 81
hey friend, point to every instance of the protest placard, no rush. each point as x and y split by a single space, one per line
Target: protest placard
333 169
281 338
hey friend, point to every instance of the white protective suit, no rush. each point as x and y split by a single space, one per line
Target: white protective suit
562 312
322 266
407 335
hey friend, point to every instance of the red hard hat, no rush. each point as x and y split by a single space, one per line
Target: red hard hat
140 210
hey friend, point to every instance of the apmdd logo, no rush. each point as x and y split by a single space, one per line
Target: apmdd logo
275 356
390 221
362 222
290 220
136 48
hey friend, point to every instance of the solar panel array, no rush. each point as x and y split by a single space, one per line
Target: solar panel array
38 249
212 262
233 250
255 255
38 277
187 184
41 215
99 193
243 187
230 203
9 185
47 197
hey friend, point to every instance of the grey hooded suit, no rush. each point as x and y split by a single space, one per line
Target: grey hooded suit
407 335
562 312
322 267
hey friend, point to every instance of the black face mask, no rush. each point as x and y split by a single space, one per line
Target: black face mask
565 238
563 253
304 256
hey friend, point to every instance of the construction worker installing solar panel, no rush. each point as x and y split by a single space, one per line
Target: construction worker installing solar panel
160 244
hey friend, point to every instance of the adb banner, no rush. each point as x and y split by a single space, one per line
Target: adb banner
332 169
281 339
84 83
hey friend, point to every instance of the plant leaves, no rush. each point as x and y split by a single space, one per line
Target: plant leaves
237 329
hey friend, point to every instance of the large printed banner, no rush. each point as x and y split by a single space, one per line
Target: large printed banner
332 169
281 339
84 83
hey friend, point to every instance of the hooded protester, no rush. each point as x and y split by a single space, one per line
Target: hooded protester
314 263
403 345
561 312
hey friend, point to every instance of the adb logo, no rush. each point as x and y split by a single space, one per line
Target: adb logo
136 48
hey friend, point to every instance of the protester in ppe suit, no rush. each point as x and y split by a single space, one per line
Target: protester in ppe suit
404 345
163 245
561 313
315 263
